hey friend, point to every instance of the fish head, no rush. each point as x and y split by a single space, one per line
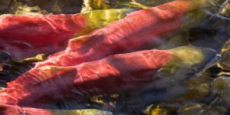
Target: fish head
189 57
187 62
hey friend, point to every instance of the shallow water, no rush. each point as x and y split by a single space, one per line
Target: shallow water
195 82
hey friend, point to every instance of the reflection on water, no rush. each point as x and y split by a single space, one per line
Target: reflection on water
195 81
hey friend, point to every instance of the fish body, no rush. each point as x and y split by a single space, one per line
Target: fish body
110 74
25 36
114 73
137 30
17 110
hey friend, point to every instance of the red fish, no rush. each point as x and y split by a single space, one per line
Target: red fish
24 36
110 74
137 29
17 110
62 75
